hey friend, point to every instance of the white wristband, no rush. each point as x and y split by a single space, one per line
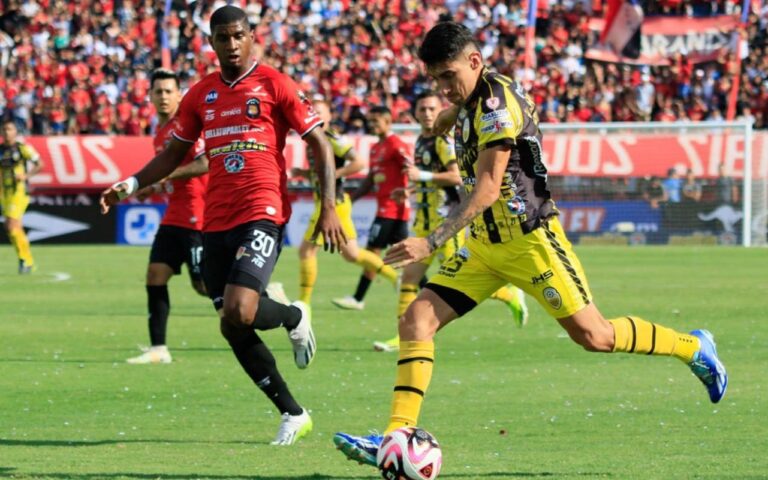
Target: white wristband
426 176
131 185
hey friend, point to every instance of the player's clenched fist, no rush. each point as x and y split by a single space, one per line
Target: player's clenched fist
117 192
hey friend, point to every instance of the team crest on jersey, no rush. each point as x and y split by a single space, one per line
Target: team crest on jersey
492 102
212 96
516 205
241 252
234 163
426 158
253 108
553 298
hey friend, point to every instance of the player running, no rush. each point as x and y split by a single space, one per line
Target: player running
435 176
388 159
244 112
18 162
515 237
179 238
347 163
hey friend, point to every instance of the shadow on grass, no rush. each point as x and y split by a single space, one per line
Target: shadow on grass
316 476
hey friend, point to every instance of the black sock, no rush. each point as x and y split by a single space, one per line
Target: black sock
272 314
424 280
362 288
159 306
260 365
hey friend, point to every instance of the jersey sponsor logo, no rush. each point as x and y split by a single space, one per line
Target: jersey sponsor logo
253 108
495 115
209 115
227 131
271 210
256 91
234 163
492 103
238 146
231 112
211 96
495 127
465 129
553 298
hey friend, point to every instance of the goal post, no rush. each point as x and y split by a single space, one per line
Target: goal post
627 183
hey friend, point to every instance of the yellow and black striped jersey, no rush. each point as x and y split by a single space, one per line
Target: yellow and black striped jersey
15 159
341 146
431 154
498 112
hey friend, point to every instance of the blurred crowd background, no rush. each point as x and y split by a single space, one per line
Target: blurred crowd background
83 66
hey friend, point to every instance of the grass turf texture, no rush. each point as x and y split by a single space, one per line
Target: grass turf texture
504 403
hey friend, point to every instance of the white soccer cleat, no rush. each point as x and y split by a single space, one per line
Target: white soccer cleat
348 303
276 292
391 345
156 354
292 428
302 337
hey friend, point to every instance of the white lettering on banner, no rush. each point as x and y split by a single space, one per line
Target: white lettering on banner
623 165
694 160
66 176
666 46
96 147
582 219
592 156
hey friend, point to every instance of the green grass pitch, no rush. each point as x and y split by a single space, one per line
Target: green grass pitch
505 403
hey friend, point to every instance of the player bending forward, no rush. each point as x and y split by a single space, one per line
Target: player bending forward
515 236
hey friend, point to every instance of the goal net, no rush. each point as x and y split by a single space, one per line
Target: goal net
658 183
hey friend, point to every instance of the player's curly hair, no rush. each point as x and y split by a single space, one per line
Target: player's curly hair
445 42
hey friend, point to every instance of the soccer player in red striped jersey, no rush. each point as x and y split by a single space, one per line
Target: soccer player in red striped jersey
386 175
179 238
244 113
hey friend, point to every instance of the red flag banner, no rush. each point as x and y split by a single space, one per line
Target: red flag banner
701 39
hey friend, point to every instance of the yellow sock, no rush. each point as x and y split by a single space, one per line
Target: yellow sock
20 242
414 371
307 278
373 263
408 292
635 335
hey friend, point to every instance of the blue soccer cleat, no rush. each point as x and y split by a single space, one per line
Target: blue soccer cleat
707 367
361 449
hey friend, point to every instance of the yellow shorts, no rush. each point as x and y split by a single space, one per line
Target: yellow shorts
14 205
541 263
344 211
446 251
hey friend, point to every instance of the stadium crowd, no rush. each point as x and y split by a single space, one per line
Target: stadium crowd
83 66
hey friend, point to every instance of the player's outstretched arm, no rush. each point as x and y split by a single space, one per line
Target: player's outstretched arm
328 223
491 165
158 168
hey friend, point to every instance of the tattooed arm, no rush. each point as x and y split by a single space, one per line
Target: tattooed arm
491 165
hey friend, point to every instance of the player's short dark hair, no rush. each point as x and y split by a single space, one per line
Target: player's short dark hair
426 94
380 110
163 74
227 15
445 42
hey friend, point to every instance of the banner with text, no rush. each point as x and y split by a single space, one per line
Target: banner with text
701 39
95 162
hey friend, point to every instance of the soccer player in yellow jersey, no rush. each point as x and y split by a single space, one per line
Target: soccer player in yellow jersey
347 163
18 162
515 237
435 176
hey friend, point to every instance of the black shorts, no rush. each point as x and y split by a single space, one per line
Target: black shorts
245 255
386 231
176 245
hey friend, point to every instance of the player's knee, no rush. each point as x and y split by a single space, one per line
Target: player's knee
417 323
232 333
349 255
237 315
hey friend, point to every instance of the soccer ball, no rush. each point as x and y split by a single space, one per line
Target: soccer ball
409 453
